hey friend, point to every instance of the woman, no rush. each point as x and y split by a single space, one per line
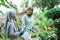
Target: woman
11 30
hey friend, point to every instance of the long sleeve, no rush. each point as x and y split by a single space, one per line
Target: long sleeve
12 30
28 22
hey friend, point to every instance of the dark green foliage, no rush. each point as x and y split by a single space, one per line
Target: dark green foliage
57 23
26 3
3 1
7 6
4 4
53 13
46 3
46 35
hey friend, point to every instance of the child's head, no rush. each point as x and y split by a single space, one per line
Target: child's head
29 11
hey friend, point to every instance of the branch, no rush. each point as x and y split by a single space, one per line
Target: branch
11 5
4 5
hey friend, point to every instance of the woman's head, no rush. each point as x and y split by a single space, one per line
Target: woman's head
11 15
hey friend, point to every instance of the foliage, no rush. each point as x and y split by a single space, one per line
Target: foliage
43 22
53 13
4 4
33 35
26 3
8 5
57 21
46 3
47 29
45 35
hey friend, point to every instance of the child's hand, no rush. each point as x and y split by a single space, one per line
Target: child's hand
21 33
32 30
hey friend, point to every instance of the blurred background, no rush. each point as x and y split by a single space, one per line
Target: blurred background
46 12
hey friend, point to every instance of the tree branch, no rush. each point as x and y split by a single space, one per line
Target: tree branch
11 5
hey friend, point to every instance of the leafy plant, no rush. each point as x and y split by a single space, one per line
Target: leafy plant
53 13
47 28
4 4
46 3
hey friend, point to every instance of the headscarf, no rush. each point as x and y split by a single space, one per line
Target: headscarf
10 13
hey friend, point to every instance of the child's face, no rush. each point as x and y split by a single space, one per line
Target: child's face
29 11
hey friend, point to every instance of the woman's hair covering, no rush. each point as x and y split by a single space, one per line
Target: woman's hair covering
10 14
30 8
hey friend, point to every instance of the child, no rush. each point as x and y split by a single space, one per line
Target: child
28 22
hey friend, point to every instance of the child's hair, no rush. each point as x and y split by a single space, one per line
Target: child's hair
30 8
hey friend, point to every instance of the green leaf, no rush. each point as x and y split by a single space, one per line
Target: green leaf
3 1
7 6
26 3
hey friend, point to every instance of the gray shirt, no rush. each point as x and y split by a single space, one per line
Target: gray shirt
28 22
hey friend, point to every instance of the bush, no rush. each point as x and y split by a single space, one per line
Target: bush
47 27
53 13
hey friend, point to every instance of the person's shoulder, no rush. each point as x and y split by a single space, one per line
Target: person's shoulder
24 16
10 22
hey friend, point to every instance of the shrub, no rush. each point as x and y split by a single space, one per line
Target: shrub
53 13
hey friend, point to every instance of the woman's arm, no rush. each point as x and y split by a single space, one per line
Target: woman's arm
12 30
13 33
